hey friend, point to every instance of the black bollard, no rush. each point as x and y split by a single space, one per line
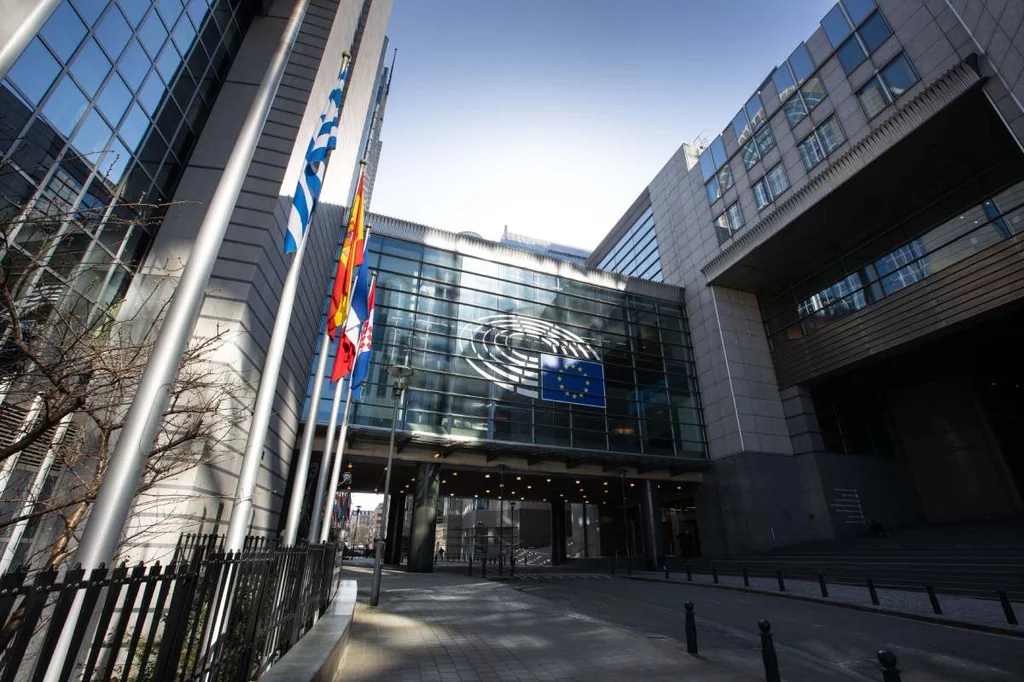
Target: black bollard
483 567
665 568
746 577
691 629
890 673
714 574
872 592
1011 617
782 585
821 584
933 599
689 574
470 565
771 661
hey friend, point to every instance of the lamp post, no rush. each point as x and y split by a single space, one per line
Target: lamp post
399 373
512 522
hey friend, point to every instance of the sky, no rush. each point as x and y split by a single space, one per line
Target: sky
551 116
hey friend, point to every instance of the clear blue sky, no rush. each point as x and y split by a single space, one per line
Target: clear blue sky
550 116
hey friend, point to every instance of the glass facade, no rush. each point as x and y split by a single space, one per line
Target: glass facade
811 306
100 112
636 254
476 332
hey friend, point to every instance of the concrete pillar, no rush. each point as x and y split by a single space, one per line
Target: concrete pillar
424 517
396 517
650 524
557 533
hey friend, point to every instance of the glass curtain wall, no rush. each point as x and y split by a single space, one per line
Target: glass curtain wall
430 302
98 116
636 254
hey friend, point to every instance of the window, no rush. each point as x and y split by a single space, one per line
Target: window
883 88
750 155
717 174
34 71
813 93
64 31
797 96
795 110
822 142
725 178
837 26
858 9
851 55
755 111
735 217
768 188
741 126
801 64
784 82
874 32
722 230
869 36
713 189
765 140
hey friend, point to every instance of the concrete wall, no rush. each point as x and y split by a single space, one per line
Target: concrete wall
243 295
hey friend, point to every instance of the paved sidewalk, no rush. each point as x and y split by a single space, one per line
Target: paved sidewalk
434 627
954 608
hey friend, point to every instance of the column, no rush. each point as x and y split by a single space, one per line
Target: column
557 533
396 518
650 524
424 518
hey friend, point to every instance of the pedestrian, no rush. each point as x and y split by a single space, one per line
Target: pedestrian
440 552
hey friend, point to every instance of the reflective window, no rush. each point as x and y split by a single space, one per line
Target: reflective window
874 32
113 33
762 195
750 154
152 34
718 152
134 65
725 178
899 75
755 111
830 134
778 181
800 62
858 9
114 99
813 93
784 82
811 152
636 253
851 55
90 67
65 105
765 140
873 97
64 31
134 9
714 190
741 126
34 71
90 9
721 225
795 110
837 26
728 223
92 136
707 164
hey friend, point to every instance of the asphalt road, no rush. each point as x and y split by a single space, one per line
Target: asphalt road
814 642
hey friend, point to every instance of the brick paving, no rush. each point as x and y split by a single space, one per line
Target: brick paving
434 627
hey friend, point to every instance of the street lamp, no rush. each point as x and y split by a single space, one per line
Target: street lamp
399 373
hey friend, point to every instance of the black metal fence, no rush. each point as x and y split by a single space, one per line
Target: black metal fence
208 614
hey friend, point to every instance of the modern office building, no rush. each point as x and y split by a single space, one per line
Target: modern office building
117 101
849 248
536 381
543 247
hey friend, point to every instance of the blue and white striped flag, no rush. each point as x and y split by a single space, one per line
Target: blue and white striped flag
312 177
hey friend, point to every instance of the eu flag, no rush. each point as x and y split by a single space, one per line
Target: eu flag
568 380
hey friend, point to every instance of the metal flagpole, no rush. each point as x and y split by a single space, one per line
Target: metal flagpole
295 504
325 460
110 511
323 511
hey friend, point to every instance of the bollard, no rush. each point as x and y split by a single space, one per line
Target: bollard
665 568
483 567
771 661
501 564
714 574
821 584
871 591
470 565
1011 617
934 600
689 574
512 565
691 629
746 578
890 673
782 585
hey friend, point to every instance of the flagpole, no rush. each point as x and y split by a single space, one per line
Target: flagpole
325 460
339 454
324 512
298 497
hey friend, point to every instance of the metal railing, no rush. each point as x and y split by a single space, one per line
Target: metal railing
208 614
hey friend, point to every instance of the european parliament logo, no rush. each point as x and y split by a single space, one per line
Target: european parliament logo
534 358
568 380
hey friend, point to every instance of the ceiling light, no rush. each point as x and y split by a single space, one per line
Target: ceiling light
529 487
577 481
455 473
488 492
437 455
519 478
549 480
632 485
487 475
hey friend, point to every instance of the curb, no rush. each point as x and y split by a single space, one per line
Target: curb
922 617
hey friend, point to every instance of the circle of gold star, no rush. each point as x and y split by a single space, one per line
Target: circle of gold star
586 382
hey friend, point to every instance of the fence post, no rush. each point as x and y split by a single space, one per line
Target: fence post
691 629
1011 617
746 577
933 599
714 574
771 661
872 592
821 584
890 673
782 584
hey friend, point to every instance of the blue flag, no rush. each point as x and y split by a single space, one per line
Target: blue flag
568 380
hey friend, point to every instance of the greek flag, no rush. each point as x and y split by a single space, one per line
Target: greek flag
312 177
